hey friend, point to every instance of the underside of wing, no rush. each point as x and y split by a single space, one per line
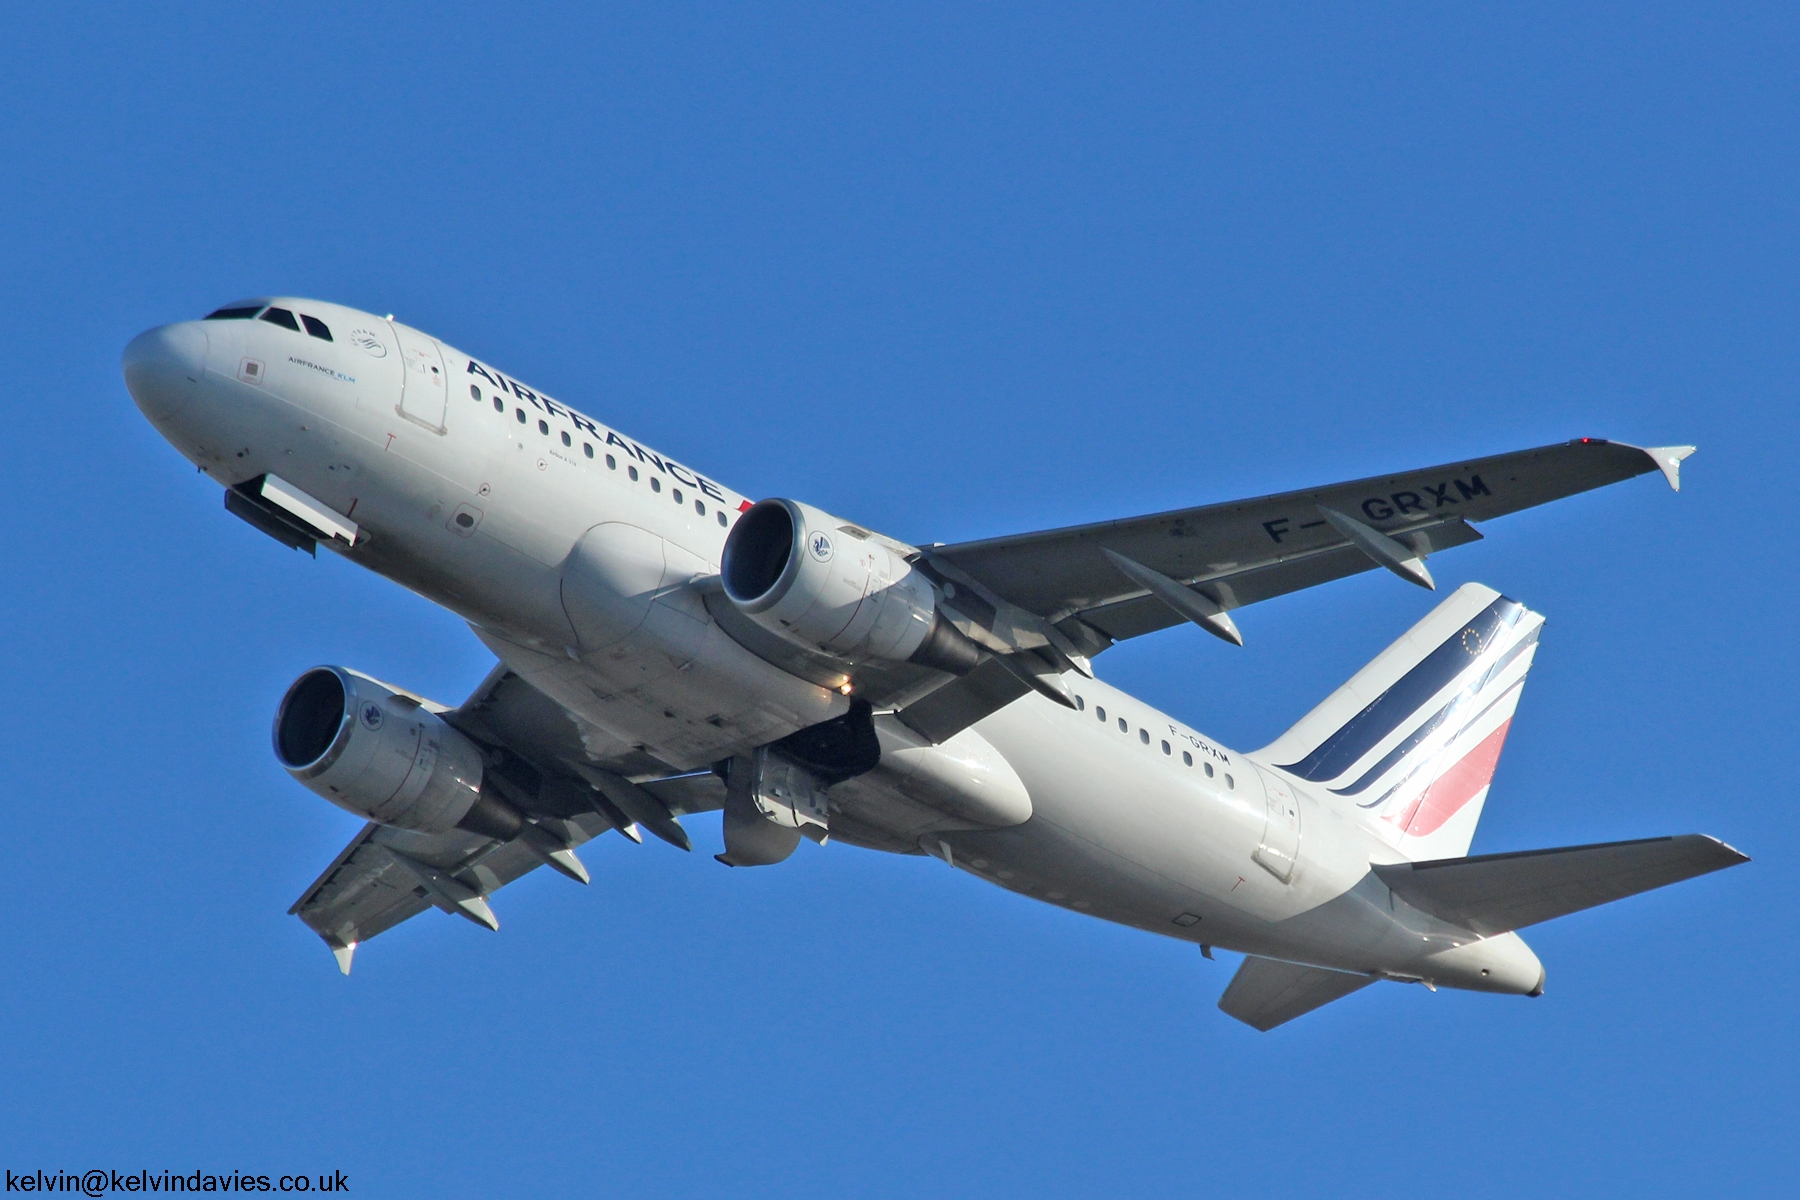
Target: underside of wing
535 761
377 882
1241 552
1082 588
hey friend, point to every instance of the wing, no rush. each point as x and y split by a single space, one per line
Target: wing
1249 550
387 875
1099 584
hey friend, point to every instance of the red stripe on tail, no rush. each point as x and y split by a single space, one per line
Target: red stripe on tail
1455 787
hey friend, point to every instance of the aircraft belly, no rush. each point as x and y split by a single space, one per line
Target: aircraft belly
676 686
1125 834
1110 838
1046 861
875 810
1107 787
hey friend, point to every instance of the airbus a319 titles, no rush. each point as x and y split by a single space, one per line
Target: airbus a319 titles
666 647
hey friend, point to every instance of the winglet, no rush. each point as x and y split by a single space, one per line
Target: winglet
344 954
1668 461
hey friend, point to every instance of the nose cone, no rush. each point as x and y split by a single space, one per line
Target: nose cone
163 366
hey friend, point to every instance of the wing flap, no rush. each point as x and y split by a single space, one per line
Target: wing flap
1496 893
350 901
962 702
1267 992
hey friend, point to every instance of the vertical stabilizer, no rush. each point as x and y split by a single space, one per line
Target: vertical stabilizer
1412 740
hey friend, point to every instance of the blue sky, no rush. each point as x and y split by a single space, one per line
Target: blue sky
950 272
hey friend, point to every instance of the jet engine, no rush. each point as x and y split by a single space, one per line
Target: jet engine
829 586
379 754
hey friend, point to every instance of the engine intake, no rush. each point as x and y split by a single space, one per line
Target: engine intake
379 754
826 585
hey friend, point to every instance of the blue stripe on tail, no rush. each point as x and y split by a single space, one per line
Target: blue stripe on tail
1443 714
1361 733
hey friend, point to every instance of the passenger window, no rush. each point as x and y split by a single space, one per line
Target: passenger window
700 507
1080 704
675 495
721 518
283 318
566 441
655 484
632 471
499 405
1144 736
587 448
474 392
1124 725
612 464
1166 748
1231 783
519 413
544 428
1209 772
234 314
1187 760
1101 713
321 331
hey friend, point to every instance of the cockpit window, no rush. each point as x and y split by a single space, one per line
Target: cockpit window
234 314
316 327
283 318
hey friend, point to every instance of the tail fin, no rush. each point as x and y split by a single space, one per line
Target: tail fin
1412 740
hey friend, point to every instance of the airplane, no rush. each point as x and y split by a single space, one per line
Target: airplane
667 646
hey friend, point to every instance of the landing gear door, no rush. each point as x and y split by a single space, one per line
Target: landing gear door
1281 834
425 399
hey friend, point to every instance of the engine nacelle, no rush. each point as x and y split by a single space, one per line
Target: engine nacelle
823 584
378 754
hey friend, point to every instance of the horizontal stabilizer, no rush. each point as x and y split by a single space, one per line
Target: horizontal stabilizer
1266 992
1495 893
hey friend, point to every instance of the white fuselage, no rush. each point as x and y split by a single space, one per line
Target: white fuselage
572 551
